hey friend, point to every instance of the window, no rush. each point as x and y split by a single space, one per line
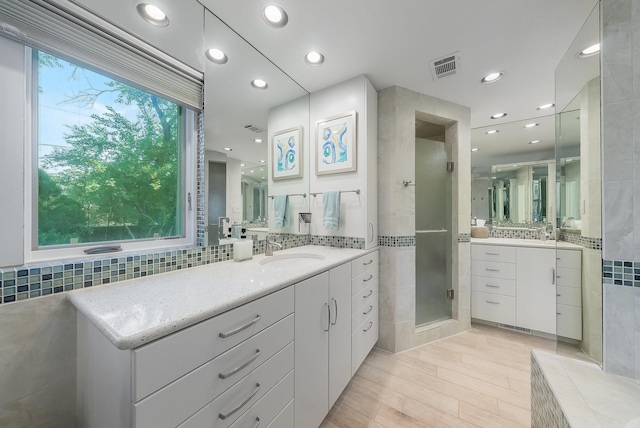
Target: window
109 158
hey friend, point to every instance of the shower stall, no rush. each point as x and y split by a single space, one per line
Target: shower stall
433 218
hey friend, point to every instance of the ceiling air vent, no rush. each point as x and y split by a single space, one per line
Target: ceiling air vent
253 128
445 66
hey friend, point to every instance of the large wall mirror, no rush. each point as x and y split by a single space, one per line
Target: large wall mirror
237 134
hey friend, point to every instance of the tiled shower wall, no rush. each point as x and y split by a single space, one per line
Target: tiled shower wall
620 22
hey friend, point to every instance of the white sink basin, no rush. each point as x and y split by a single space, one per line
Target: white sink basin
292 260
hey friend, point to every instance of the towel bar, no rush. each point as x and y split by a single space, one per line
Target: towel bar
304 195
357 192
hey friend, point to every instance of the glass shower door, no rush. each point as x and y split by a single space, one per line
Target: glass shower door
433 231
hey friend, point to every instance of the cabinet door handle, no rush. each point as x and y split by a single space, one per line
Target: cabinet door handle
492 302
368 310
368 295
558 313
240 367
369 327
553 276
492 270
335 304
239 329
558 295
368 279
326 305
368 263
492 254
492 286
225 416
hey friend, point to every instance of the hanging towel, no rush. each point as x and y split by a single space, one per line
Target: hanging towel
281 211
331 210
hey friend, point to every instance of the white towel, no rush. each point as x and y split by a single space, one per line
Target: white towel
281 211
331 210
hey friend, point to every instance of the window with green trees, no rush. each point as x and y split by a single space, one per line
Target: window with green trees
109 157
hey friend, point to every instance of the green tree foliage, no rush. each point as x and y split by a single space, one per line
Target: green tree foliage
120 175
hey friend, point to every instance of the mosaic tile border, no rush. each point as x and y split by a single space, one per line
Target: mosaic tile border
583 241
464 237
545 409
410 241
200 180
26 282
514 234
621 272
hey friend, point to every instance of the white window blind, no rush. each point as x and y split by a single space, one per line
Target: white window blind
72 30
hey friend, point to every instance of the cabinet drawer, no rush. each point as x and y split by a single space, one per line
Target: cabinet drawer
269 406
363 263
569 321
285 418
366 295
165 360
485 284
364 279
569 259
363 339
493 269
243 394
569 296
168 407
569 277
493 253
360 314
493 307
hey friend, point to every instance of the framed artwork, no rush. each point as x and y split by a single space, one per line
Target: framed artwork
286 151
336 144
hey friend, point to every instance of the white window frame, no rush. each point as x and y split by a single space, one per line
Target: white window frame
32 254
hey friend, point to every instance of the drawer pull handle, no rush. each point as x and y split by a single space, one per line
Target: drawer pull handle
223 417
368 295
558 313
553 276
492 286
239 329
493 270
257 422
368 328
558 295
240 367
492 302
368 279
368 310
368 263
492 254
335 304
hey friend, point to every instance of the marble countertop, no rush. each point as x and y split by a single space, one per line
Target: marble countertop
526 243
588 396
134 312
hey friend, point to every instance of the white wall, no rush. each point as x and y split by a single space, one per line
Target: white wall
12 108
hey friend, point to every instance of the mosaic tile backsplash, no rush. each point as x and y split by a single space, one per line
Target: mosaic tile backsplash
583 241
620 272
410 241
27 282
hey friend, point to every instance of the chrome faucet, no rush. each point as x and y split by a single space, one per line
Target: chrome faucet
271 243
543 235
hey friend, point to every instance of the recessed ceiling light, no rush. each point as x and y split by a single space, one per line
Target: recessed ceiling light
493 178
252 171
475 149
498 115
259 84
531 125
262 161
590 51
242 164
546 106
534 142
257 140
228 149
492 77
493 131
153 14
314 58
275 16
216 56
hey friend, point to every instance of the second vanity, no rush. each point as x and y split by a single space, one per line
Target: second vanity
270 342
528 284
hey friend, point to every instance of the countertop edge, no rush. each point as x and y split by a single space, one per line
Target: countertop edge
127 342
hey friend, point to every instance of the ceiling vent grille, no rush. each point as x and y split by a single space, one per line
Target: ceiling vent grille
253 128
445 66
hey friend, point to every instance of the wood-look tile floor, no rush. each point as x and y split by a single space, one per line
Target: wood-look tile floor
480 378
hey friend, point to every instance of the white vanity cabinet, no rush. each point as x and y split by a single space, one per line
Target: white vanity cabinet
536 289
569 294
493 283
208 374
364 308
322 343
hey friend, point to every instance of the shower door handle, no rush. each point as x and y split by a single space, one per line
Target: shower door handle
431 231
